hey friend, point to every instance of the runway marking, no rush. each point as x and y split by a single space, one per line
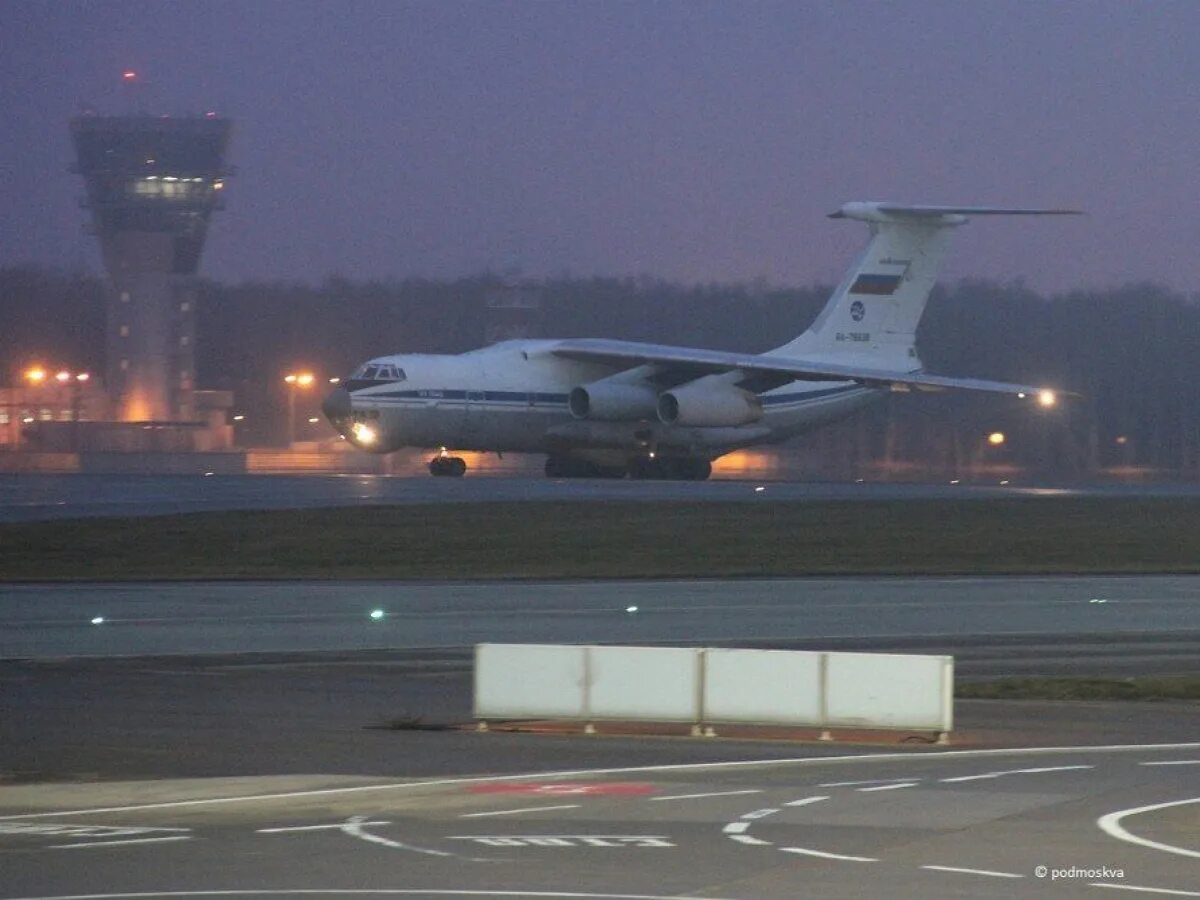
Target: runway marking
699 796
354 892
1145 890
354 827
888 787
513 812
1111 825
69 830
759 813
747 839
986 872
575 773
154 840
568 840
857 783
989 775
805 851
1173 762
334 827
736 827
806 801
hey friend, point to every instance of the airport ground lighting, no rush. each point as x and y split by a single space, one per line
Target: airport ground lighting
296 381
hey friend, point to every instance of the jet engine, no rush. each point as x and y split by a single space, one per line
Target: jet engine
608 401
704 403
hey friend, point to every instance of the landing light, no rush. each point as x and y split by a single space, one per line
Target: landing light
364 434
1047 398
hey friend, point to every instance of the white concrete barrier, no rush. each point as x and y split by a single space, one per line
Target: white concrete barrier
657 684
887 690
712 686
529 681
763 687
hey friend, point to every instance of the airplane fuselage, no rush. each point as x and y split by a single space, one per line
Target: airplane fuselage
513 397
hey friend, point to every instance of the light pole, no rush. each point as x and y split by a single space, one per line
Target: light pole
295 381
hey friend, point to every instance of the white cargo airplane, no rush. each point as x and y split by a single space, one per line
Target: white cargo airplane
606 408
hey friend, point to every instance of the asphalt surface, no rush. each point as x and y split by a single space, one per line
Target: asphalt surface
219 617
32 497
1064 823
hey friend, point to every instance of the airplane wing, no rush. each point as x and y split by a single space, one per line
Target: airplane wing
627 354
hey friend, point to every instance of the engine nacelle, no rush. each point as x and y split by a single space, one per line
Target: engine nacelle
609 401
709 404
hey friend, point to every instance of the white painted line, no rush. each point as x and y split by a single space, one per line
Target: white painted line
888 787
1111 825
987 872
747 839
157 840
335 827
700 796
989 775
1145 890
354 828
925 755
355 892
513 812
736 827
760 813
805 801
857 783
804 851
1173 762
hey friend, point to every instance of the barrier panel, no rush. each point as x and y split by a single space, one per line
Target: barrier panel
886 690
529 681
708 686
658 684
762 687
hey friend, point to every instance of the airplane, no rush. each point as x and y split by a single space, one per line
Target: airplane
603 408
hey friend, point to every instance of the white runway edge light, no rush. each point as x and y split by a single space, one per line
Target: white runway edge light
377 614
97 620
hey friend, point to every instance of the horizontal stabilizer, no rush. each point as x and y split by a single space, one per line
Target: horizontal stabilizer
871 211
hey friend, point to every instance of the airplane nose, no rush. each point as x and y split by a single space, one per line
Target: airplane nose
337 405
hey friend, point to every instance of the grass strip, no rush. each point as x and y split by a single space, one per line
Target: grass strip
1161 688
620 540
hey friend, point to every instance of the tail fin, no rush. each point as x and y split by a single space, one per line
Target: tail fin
874 312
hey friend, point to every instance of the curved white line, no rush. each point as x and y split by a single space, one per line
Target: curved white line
354 828
629 770
1144 890
1111 825
409 892
804 851
990 873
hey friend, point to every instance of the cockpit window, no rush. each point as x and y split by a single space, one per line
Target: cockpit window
374 372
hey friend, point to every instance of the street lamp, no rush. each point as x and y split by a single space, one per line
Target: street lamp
295 381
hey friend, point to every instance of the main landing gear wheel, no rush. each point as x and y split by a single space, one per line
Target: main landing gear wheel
667 468
447 467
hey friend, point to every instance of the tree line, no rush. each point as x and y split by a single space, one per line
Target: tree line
1130 351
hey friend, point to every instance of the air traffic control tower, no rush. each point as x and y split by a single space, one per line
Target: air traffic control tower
152 183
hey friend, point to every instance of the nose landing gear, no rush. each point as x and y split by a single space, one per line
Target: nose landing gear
447 467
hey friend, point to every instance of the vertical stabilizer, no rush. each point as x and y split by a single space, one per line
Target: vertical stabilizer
873 314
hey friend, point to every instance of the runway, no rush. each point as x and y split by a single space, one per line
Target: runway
55 620
32 497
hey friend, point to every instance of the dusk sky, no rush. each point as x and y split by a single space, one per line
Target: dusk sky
693 141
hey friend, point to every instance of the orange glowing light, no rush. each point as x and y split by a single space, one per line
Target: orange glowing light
996 438
36 375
